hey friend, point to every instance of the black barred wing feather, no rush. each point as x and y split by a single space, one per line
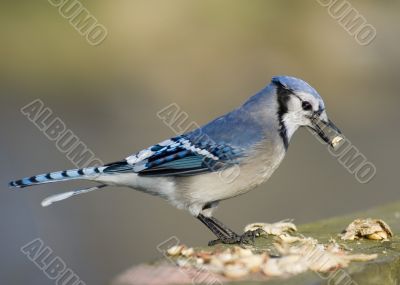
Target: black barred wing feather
178 157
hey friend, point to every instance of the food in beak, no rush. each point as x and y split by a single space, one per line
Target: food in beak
327 131
336 141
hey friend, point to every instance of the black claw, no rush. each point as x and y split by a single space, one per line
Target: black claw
225 240
226 235
214 242
247 238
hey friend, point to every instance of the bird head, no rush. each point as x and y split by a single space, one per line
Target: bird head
299 105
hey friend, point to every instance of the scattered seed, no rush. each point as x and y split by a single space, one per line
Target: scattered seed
236 271
175 250
276 229
374 229
292 254
187 252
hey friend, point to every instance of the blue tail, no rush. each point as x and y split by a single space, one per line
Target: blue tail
82 173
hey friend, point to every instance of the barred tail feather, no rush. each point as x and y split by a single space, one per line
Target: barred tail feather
82 173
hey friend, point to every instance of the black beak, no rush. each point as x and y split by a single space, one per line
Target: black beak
327 131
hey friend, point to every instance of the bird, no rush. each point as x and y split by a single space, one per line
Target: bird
225 158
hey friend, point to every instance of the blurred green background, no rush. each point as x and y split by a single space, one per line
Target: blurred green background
208 57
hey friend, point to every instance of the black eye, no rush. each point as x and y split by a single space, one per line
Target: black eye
306 106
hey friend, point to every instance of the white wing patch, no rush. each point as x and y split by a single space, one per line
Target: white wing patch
146 153
140 159
140 156
188 145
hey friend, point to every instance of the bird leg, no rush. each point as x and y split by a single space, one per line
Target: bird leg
226 235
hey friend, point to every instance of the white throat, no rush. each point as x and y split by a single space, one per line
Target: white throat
292 123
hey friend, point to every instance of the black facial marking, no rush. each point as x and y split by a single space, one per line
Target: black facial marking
283 95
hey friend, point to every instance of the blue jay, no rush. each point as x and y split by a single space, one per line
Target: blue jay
226 158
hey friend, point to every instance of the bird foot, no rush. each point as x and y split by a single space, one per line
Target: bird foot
244 239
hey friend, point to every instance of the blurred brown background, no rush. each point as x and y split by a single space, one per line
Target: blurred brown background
208 57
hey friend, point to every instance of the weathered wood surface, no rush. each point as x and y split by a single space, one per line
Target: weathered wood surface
385 270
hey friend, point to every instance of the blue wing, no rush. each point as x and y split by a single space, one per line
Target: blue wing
180 156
